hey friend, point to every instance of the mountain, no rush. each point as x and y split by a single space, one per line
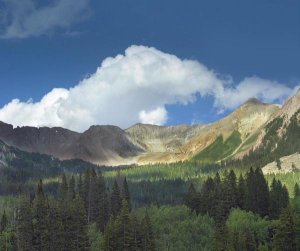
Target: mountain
234 136
177 143
99 144
18 168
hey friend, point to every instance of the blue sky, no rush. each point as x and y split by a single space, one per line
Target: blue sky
234 39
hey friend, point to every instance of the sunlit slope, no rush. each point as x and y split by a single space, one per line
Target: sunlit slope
220 148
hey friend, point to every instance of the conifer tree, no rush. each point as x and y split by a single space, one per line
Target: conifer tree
41 220
279 198
3 222
125 194
63 190
103 207
24 227
56 229
285 237
250 195
81 226
115 199
90 195
110 236
262 193
126 235
191 199
71 189
80 186
241 192
148 243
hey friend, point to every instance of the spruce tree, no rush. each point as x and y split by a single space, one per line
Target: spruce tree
24 227
241 192
191 199
3 222
41 220
63 190
81 226
250 195
126 194
80 186
71 189
56 229
125 230
90 195
285 237
262 193
279 198
103 207
148 243
115 199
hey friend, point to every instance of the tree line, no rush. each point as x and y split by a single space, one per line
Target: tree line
218 197
61 223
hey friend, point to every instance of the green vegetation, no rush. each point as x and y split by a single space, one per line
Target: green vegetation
177 229
247 231
219 149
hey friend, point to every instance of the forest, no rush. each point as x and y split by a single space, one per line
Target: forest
90 211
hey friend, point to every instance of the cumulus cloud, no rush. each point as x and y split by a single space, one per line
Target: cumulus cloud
136 87
158 116
24 18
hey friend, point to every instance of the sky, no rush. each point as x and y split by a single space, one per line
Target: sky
78 63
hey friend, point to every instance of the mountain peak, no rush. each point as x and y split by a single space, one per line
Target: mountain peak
254 101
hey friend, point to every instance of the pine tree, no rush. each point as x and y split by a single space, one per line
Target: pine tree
103 207
257 197
250 195
71 189
115 200
41 220
81 231
90 195
262 193
56 229
279 198
241 192
191 199
24 227
80 186
126 194
63 190
125 228
285 237
110 236
148 243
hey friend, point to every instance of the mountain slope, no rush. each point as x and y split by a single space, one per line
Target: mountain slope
99 144
178 143
233 136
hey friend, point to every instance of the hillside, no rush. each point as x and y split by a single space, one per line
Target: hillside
254 125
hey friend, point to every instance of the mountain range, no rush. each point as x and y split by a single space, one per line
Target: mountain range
234 136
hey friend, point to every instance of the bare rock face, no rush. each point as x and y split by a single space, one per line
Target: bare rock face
288 109
99 144
105 145
154 138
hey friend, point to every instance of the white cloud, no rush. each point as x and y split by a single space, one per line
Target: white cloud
23 18
158 116
136 87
